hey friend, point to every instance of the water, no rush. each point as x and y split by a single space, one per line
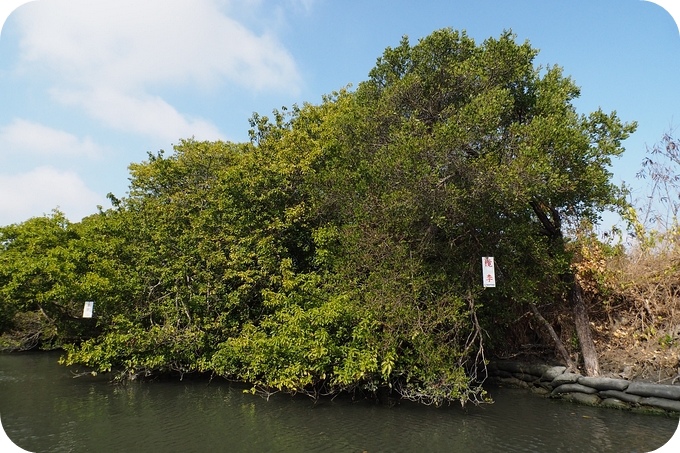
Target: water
44 409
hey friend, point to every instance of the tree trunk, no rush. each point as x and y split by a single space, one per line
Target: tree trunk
558 343
585 337
551 221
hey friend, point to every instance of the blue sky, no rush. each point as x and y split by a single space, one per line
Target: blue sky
89 86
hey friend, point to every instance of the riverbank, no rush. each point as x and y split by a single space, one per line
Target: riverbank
556 382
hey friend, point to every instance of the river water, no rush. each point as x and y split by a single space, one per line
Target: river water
44 409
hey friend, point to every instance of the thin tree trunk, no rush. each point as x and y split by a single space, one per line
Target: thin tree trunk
585 337
571 366
551 221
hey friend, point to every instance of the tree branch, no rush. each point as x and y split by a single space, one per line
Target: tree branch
553 228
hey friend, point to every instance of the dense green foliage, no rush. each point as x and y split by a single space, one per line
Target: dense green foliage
339 249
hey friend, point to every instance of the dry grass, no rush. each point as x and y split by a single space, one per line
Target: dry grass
636 317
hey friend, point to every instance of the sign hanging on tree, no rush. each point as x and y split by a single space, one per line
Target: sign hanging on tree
488 272
88 308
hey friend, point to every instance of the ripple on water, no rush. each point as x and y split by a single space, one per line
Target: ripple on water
53 412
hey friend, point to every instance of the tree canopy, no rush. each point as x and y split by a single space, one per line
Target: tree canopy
340 249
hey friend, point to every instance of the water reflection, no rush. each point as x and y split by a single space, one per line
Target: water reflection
45 410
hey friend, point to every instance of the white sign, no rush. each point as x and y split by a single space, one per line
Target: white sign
488 272
88 309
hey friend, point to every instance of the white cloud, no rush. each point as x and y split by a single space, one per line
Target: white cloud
43 189
22 137
109 56
144 114
306 5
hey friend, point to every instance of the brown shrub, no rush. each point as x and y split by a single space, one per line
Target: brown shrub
638 329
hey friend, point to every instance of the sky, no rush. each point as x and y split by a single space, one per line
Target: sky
89 86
